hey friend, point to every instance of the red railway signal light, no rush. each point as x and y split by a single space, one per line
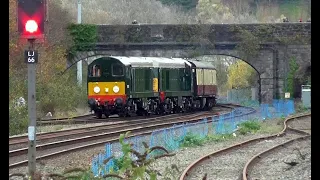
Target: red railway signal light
31 26
31 17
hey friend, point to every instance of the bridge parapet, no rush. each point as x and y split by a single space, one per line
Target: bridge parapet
214 33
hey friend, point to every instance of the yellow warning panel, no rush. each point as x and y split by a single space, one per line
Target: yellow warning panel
155 84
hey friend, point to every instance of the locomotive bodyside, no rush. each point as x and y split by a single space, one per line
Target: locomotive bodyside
175 84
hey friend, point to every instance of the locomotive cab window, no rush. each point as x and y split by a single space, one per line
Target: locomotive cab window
95 71
117 70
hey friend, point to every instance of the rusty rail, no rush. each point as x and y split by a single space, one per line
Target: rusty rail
208 156
255 158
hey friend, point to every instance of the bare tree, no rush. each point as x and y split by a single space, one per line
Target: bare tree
125 11
57 21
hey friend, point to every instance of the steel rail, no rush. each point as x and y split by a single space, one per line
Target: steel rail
258 156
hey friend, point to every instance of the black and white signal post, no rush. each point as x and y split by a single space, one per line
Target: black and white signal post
31 16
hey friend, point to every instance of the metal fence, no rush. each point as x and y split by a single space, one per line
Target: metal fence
239 94
246 97
171 138
241 101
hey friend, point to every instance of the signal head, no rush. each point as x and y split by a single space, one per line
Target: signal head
31 26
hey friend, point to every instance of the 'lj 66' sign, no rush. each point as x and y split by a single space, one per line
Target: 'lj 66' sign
31 56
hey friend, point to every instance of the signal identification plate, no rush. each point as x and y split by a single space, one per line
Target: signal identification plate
31 56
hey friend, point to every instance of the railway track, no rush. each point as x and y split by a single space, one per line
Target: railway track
250 165
23 139
85 119
235 161
65 120
291 125
89 118
87 138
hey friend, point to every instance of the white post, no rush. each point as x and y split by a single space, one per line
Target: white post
79 63
253 93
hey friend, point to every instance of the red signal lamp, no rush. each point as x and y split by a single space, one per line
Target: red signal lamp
31 26
31 18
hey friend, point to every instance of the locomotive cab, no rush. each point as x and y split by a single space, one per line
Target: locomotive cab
106 86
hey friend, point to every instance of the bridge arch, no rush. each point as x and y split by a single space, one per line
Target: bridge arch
263 68
237 57
278 41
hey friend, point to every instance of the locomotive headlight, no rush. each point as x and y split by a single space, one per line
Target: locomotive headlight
96 89
115 89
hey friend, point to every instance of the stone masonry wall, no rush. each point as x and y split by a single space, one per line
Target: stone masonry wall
199 32
212 39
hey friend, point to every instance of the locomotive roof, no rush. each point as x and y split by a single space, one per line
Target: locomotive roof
202 64
152 62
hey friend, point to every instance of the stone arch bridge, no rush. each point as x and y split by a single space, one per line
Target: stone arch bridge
268 48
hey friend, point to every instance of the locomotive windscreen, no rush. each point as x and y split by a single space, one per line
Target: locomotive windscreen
117 70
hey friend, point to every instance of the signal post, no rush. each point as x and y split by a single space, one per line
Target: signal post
31 16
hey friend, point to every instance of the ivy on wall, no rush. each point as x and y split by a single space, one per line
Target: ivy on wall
84 37
249 45
290 79
250 40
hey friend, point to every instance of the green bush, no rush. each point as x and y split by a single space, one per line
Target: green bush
192 140
60 94
219 137
249 127
301 108
18 119
118 163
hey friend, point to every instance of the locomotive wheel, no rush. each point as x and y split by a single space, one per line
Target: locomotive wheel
146 113
124 113
107 115
214 102
98 114
127 115
139 112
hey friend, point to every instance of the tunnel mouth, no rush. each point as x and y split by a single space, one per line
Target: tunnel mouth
249 91
303 78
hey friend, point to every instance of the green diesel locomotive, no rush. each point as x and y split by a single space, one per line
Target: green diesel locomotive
149 85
